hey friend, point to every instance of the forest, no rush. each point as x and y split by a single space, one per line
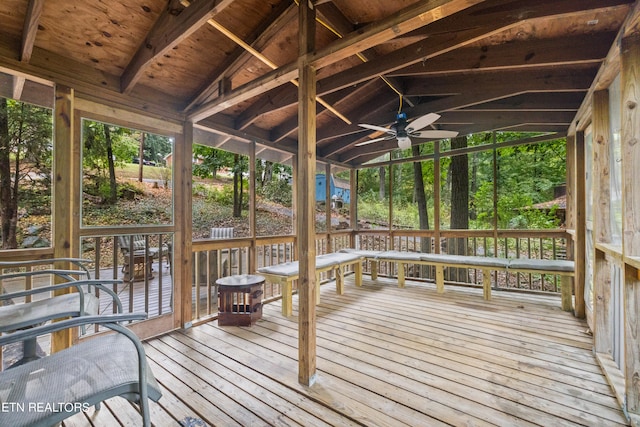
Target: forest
127 180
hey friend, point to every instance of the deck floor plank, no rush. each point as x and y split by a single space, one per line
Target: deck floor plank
386 357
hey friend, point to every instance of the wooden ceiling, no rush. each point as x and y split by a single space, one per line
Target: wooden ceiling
228 65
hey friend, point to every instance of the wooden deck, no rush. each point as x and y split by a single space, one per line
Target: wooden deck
386 357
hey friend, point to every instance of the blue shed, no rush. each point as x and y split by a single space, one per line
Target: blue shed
339 188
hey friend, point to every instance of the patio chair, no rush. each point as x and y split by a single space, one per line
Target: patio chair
135 251
83 375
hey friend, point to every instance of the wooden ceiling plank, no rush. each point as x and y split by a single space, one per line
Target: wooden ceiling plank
31 20
450 42
482 88
406 20
280 17
456 36
169 31
581 49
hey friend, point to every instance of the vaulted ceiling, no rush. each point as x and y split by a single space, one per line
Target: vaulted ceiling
231 65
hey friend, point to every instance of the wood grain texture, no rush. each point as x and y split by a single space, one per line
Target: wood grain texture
390 357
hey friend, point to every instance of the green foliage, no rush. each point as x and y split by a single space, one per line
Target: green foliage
220 196
210 160
527 174
278 191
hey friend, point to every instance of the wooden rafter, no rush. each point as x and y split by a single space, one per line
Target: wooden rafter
170 29
32 17
280 17
397 24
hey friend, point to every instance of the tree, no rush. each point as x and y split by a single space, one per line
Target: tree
459 175
238 169
103 145
210 161
25 157
421 201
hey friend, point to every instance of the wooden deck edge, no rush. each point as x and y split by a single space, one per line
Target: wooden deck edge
615 378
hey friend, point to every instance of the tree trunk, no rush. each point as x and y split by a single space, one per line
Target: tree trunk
113 190
383 182
423 213
268 173
237 187
459 205
8 204
140 157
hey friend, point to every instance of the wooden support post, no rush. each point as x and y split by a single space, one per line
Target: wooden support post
306 197
601 186
66 169
566 290
253 261
602 308
630 135
571 216
353 205
327 206
581 228
182 175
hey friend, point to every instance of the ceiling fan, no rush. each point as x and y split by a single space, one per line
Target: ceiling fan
403 131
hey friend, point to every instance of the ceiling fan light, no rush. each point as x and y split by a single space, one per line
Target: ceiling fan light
404 142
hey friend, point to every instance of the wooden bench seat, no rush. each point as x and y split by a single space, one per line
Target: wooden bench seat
563 268
285 273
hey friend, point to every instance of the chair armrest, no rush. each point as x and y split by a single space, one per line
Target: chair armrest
98 283
79 262
109 320
65 274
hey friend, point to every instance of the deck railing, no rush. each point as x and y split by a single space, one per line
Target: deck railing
152 290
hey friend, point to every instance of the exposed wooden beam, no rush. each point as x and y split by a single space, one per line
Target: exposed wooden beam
422 13
408 19
170 29
478 89
17 87
31 20
270 80
590 48
29 31
280 16
459 119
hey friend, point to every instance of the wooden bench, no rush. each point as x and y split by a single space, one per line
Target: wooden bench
46 391
563 268
284 275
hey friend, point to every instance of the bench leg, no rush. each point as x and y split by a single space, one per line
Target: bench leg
486 284
317 288
339 281
374 270
440 279
287 299
400 274
357 268
566 290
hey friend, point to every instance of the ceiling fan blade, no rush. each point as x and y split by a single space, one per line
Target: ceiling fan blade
422 121
434 134
371 141
378 128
